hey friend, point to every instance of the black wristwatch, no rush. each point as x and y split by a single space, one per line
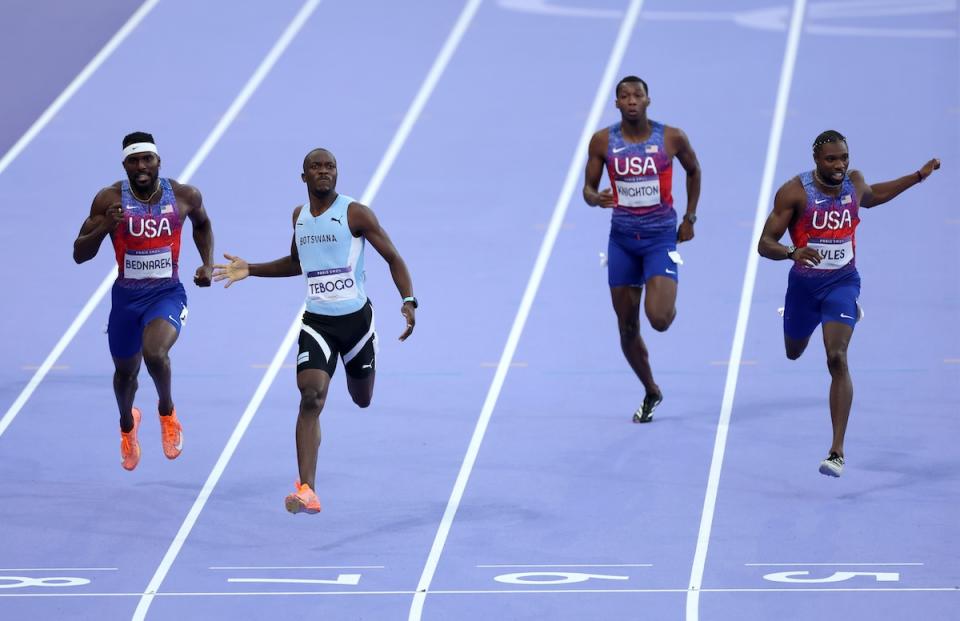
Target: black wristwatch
790 250
690 217
412 300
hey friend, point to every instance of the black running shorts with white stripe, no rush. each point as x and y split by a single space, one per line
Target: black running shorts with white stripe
352 337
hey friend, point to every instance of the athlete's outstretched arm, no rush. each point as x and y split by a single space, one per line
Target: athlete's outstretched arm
596 156
788 201
880 193
105 213
688 159
202 232
238 269
364 222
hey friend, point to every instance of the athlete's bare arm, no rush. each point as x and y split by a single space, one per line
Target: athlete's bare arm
679 145
238 269
364 222
105 213
787 205
191 202
596 157
880 193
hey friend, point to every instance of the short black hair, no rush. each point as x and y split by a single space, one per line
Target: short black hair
136 137
312 151
831 135
631 79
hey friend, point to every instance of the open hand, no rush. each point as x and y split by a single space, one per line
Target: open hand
237 269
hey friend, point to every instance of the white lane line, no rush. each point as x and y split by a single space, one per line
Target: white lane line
426 89
575 565
212 139
496 592
60 569
303 567
832 564
76 84
342 579
601 98
743 314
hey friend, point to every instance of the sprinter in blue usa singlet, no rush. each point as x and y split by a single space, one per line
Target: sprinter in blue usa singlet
642 252
330 233
144 215
821 210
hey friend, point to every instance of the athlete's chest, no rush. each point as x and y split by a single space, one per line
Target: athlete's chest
142 221
649 157
324 232
824 212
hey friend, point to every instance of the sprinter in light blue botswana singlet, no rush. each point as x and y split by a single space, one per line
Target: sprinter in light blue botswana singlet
642 252
330 233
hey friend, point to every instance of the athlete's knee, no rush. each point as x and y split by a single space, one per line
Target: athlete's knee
156 358
311 401
125 376
837 360
362 401
661 321
793 354
629 329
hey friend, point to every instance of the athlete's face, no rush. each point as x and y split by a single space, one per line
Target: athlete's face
632 100
832 161
143 169
320 172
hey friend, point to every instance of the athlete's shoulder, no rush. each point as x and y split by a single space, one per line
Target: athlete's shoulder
792 190
671 131
361 219
600 140
675 136
108 195
184 191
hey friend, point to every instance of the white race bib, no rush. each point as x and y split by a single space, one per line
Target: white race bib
833 254
151 263
642 193
332 285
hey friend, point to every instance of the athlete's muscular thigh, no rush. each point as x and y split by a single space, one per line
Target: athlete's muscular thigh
158 337
660 302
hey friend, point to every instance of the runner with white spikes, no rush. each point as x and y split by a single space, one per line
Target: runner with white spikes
821 210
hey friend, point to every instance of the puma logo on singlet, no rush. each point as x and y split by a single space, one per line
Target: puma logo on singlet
337 220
